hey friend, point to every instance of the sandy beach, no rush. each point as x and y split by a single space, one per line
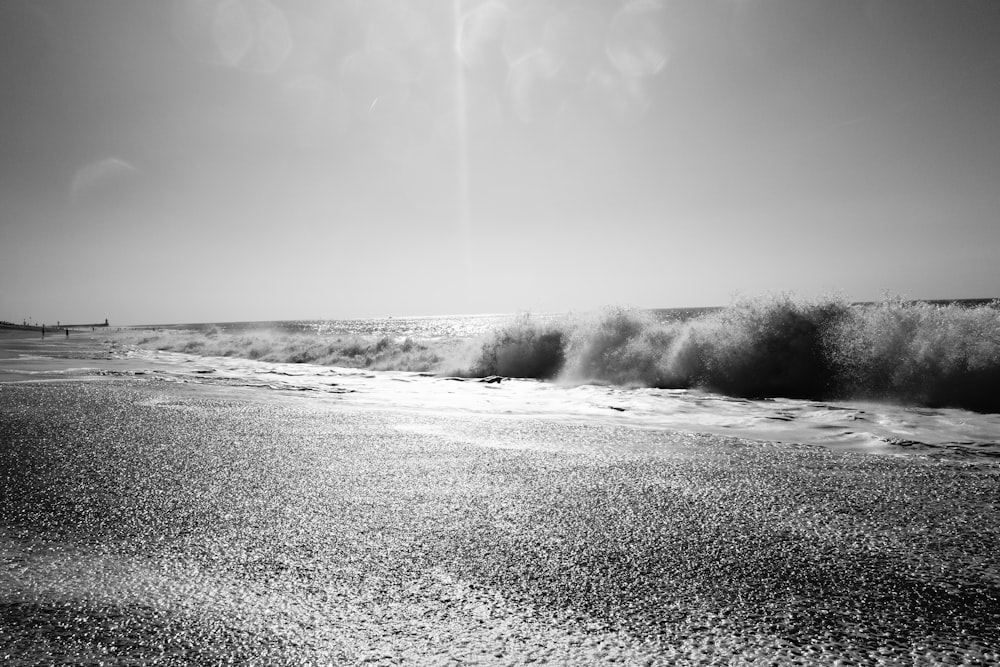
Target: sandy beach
152 522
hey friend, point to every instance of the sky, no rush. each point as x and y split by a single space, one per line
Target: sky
220 160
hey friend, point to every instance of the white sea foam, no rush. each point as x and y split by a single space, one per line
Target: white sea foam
883 428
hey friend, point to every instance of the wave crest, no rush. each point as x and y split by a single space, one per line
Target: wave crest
622 346
524 348
910 352
768 347
921 353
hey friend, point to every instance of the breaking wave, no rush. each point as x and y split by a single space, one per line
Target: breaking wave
935 355
913 353
372 352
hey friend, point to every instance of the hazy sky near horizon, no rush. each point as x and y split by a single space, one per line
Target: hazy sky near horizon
212 160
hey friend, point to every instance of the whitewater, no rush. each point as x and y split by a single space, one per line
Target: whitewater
890 378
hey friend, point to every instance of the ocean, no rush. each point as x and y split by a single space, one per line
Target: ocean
892 377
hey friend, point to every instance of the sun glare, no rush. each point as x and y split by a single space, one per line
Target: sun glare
461 132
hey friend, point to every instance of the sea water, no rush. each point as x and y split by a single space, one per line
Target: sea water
893 377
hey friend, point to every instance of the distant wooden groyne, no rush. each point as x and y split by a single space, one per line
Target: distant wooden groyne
82 326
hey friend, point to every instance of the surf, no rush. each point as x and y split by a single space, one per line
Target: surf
912 353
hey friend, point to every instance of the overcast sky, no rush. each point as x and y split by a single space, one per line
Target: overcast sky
212 160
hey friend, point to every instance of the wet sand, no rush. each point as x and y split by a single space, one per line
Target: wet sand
147 522
83 354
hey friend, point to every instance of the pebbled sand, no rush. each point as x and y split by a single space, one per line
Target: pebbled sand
146 522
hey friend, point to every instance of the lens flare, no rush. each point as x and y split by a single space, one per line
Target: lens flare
572 40
97 179
252 35
624 97
461 130
369 74
637 44
478 32
233 32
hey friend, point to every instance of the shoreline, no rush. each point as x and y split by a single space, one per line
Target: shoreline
219 521
880 428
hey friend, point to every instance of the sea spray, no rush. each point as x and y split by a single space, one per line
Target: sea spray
913 353
524 348
621 346
762 348
918 353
